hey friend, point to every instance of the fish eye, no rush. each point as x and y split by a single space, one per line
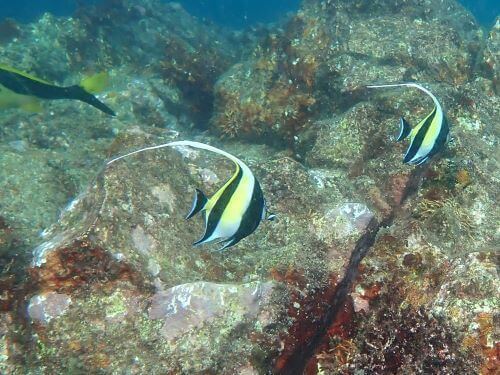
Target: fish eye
271 217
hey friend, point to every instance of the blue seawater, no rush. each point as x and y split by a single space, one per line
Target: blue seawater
236 14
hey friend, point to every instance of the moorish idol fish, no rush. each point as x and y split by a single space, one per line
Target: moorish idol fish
234 211
22 90
429 136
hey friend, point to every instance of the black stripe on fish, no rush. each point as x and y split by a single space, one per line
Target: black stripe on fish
441 138
251 218
439 143
216 212
419 137
26 86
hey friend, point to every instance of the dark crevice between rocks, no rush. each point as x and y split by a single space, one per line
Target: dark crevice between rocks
295 360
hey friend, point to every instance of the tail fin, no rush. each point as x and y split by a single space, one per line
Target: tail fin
79 93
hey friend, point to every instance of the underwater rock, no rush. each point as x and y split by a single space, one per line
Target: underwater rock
250 103
4 354
348 141
127 232
101 33
8 239
427 314
296 75
490 63
435 265
32 206
45 307
149 101
188 306
354 216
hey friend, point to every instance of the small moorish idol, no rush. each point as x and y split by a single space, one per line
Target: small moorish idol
235 210
429 136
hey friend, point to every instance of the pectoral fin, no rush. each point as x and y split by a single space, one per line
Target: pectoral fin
199 202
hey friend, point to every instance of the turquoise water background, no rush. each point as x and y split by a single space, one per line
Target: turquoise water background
235 14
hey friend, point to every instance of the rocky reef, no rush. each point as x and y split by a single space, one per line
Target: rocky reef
371 267
323 57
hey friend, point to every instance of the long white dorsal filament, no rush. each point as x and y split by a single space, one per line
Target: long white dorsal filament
183 143
416 85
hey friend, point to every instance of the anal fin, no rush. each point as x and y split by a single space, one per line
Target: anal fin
422 160
227 243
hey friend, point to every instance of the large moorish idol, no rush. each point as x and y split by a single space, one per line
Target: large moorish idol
429 136
235 210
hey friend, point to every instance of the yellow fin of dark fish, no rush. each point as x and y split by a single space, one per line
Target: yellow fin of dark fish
95 83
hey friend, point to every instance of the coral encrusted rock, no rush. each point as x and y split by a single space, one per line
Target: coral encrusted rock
118 271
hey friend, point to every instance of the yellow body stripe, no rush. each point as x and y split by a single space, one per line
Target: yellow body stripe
238 203
432 133
211 202
416 129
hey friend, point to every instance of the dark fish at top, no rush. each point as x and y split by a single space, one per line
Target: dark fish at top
235 210
22 90
429 136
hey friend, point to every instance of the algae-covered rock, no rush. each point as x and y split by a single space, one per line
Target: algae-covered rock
128 229
433 269
187 306
351 139
45 307
490 63
39 196
417 309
